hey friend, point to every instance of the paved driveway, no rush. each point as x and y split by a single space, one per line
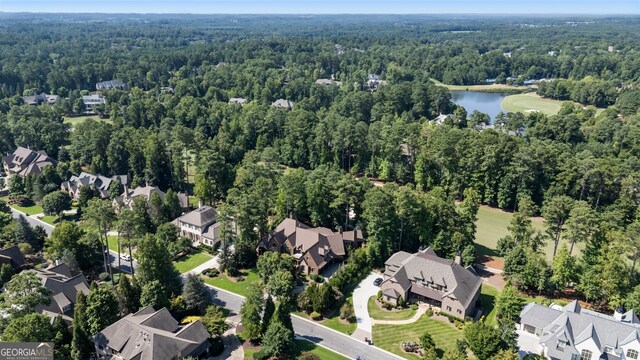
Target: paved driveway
361 296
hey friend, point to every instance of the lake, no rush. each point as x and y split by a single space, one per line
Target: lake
488 103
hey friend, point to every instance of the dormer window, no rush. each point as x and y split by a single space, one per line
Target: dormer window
586 355
632 354
561 345
609 350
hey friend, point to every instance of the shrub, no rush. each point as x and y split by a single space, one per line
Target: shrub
315 315
346 312
414 307
103 276
401 302
379 294
211 272
387 306
217 346
429 312
426 341
261 355
26 248
410 346
308 355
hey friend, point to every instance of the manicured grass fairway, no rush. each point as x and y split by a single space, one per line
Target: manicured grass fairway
73 121
191 261
492 225
301 346
531 101
240 288
488 296
389 337
376 312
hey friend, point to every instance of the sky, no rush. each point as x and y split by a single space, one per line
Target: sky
326 6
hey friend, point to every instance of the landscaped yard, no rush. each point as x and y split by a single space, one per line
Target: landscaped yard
301 346
334 321
389 337
492 225
237 287
378 313
488 296
29 210
191 261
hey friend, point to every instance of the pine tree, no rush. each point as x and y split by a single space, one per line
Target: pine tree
154 294
80 344
267 316
128 296
250 313
278 340
102 308
195 293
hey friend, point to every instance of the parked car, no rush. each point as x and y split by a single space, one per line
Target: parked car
377 281
125 257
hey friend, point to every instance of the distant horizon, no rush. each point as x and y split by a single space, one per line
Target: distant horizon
327 7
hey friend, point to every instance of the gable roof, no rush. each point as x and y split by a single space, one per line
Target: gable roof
425 266
64 288
151 335
576 325
25 161
12 256
283 104
200 217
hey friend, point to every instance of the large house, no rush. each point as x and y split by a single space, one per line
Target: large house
41 98
283 104
98 183
90 102
313 248
26 162
200 226
64 288
12 256
424 276
128 196
151 335
111 84
574 333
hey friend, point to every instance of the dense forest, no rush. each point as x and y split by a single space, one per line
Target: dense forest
174 126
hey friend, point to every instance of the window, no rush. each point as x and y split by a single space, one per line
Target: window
585 355
459 311
632 354
448 308
561 345
609 350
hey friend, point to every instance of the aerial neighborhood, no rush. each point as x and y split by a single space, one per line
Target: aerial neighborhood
320 187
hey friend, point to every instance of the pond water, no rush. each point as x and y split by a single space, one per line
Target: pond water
488 103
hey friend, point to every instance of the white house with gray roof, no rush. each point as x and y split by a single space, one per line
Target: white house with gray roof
200 226
424 276
574 333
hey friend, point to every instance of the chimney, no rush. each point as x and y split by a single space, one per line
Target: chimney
617 314
199 203
458 259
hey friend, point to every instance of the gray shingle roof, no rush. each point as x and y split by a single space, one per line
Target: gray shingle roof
12 256
406 269
200 217
64 288
152 335
577 325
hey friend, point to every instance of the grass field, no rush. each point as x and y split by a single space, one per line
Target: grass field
29 210
113 243
378 313
492 225
389 337
503 88
241 287
301 346
191 261
75 120
488 296
51 220
531 101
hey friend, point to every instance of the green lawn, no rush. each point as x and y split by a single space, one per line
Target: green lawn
29 210
334 321
492 225
191 261
240 288
323 353
113 243
378 313
488 296
531 102
73 121
51 220
389 337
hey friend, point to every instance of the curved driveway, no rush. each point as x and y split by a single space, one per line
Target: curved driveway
361 295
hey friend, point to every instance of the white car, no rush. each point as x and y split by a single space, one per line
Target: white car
125 257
